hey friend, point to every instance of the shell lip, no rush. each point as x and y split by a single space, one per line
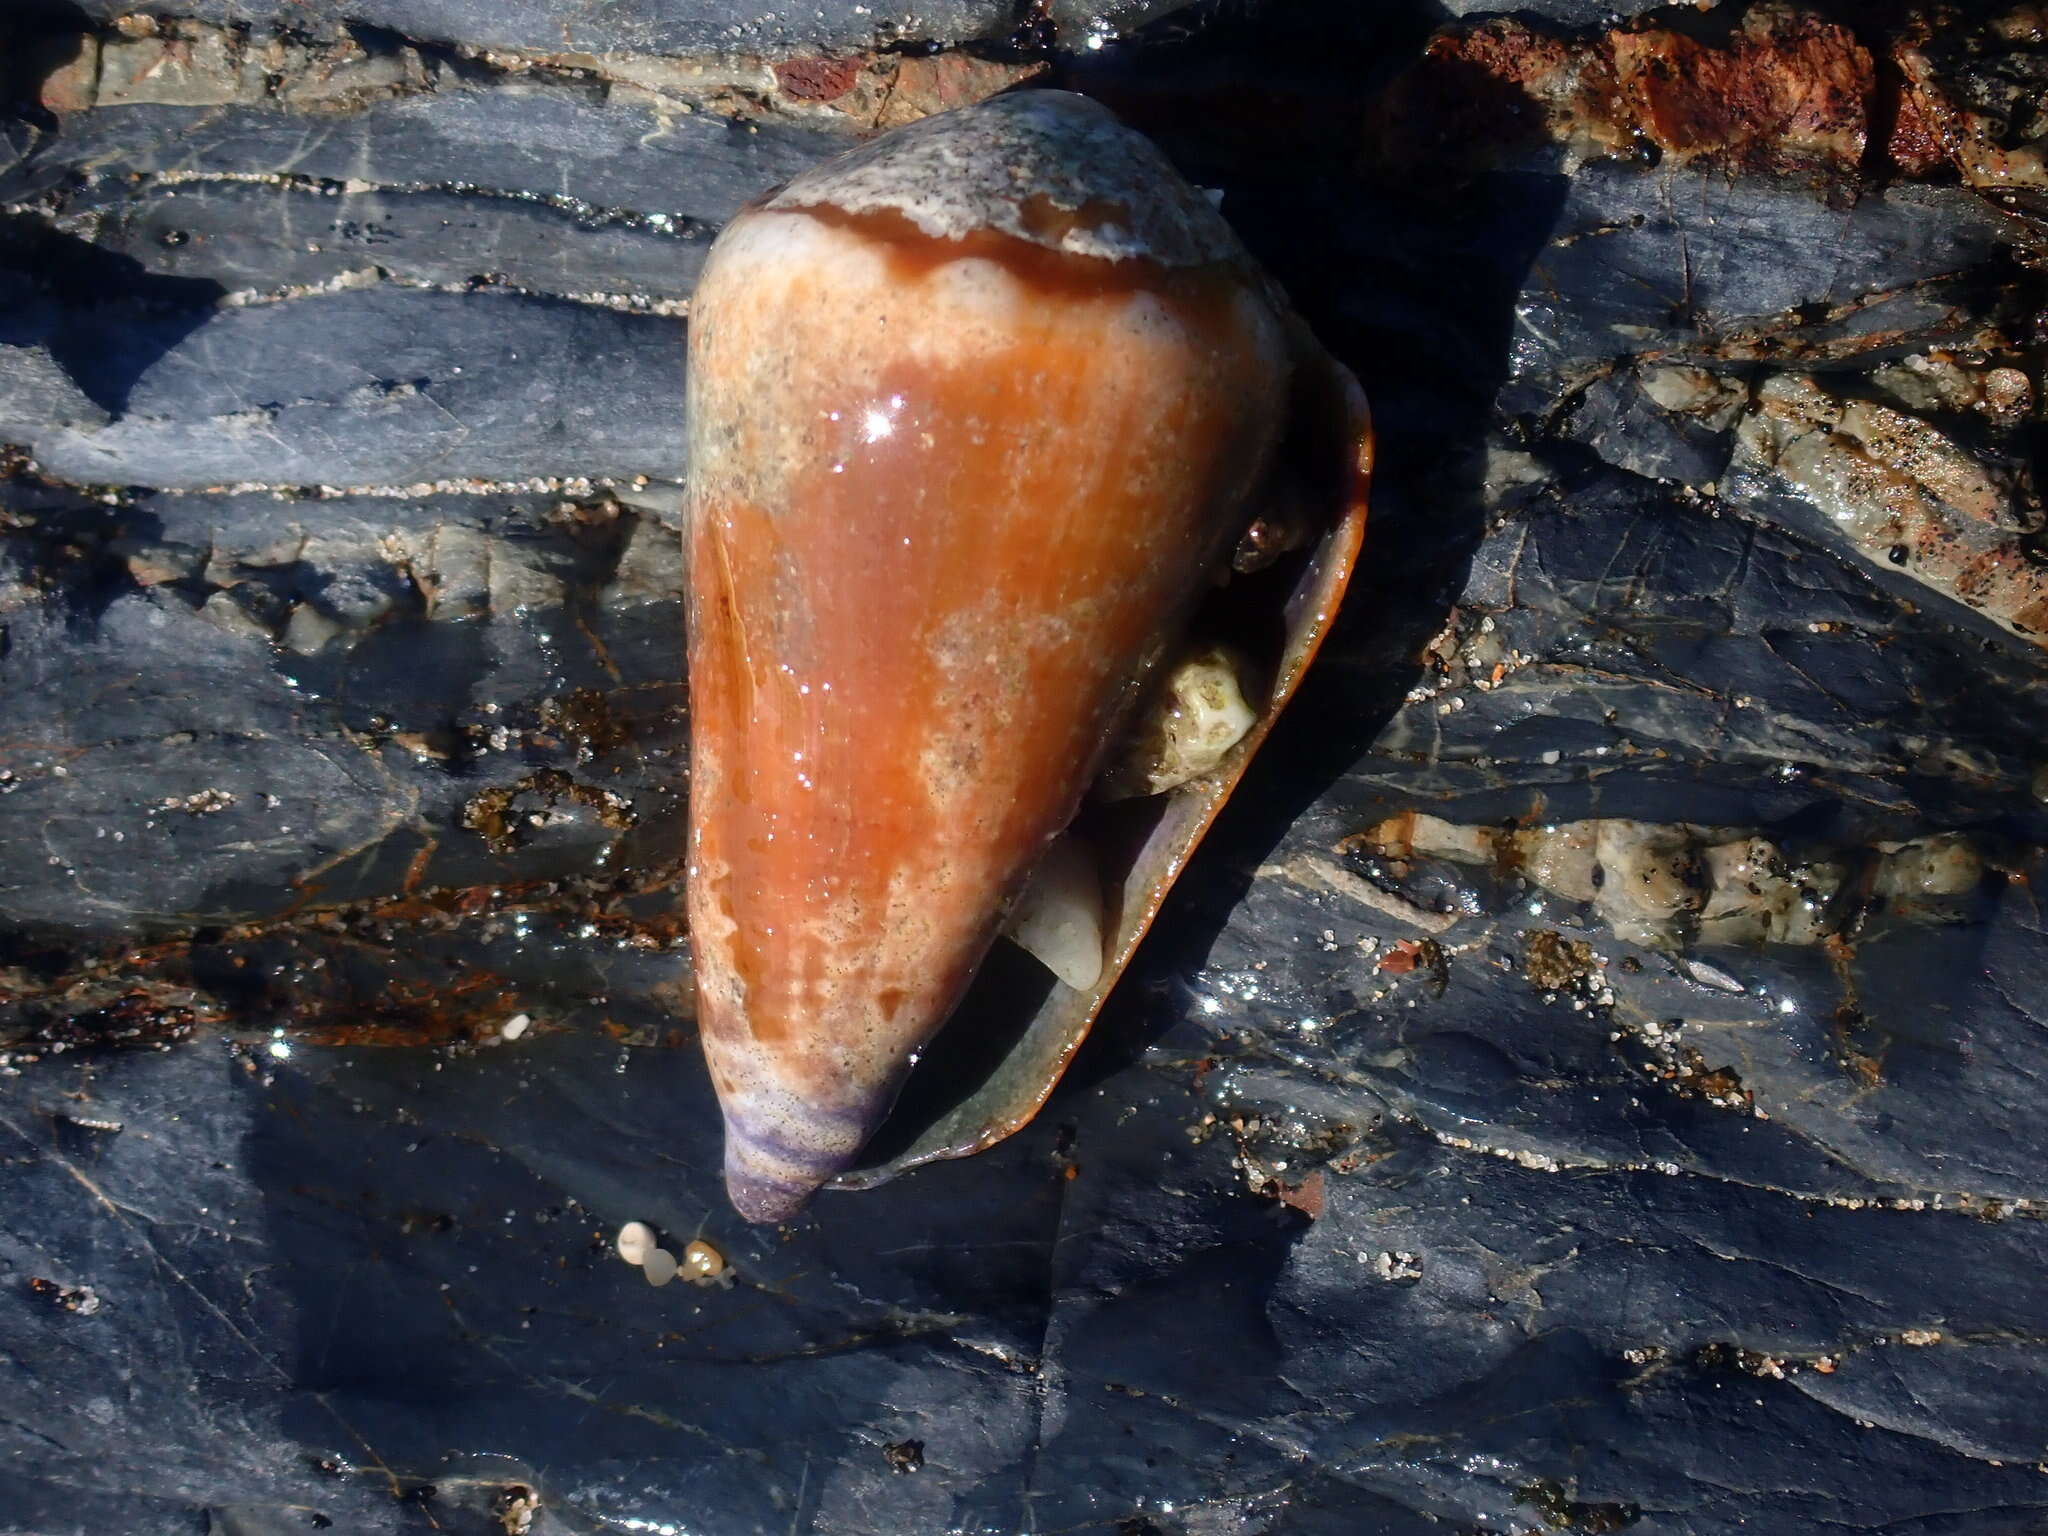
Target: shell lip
1022 1058
1010 997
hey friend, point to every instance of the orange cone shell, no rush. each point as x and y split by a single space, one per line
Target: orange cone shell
968 439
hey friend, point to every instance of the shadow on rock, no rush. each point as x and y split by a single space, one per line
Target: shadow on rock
105 319
1412 285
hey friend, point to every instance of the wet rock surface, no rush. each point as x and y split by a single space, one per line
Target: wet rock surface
1589 1081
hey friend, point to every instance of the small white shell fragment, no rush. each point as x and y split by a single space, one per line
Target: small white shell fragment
1058 919
515 1026
1710 976
635 1242
1193 722
660 1267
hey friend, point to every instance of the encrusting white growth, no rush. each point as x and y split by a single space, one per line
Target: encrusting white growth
634 1242
1058 919
1190 727
1946 864
1660 884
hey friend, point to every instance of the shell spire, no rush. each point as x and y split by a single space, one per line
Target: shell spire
975 415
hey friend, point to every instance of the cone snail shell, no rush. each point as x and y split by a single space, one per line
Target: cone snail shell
978 415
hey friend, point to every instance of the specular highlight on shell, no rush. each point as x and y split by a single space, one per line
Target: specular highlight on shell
979 416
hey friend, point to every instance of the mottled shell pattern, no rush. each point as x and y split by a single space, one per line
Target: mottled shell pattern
978 415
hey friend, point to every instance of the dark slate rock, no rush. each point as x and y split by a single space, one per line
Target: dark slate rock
538 189
392 387
339 680
561 146
1669 656
1637 1352
252 237
36 392
1697 263
1639 420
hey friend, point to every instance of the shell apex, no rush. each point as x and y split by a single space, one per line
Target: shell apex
1049 167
